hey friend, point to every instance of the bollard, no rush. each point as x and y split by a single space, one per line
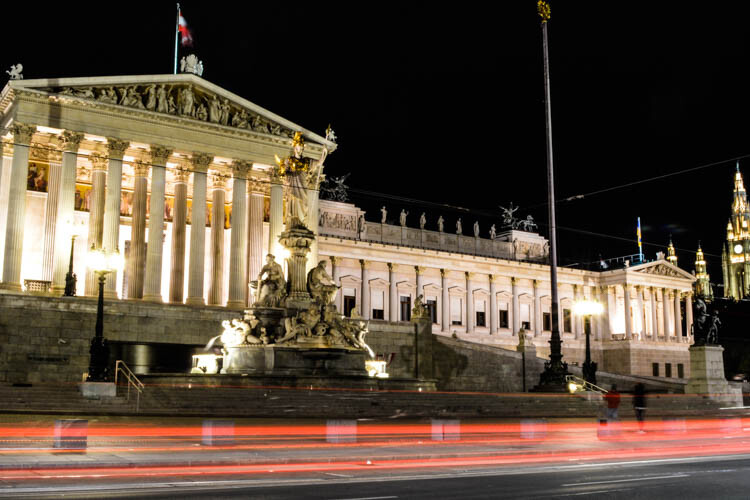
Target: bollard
446 430
218 432
71 434
533 428
341 431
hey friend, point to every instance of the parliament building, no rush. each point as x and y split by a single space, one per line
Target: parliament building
177 175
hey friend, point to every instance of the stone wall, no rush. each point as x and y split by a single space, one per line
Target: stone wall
46 339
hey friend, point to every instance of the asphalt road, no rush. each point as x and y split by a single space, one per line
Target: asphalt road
722 477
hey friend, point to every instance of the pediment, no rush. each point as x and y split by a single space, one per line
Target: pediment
663 268
183 96
379 282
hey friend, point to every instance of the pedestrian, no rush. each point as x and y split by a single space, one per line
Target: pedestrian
639 405
613 403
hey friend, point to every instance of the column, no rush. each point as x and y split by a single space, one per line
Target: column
365 306
654 315
628 315
493 306
216 257
238 242
446 303
50 215
96 215
420 282
689 314
577 320
641 312
606 322
137 261
199 163
597 319
516 313
537 310
313 190
336 276
69 142
665 312
470 319
179 236
255 194
677 317
154 249
276 221
111 232
16 206
392 294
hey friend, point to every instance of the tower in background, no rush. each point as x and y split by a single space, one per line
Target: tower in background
703 287
735 261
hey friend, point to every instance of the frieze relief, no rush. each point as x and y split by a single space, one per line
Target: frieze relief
184 100
662 270
343 222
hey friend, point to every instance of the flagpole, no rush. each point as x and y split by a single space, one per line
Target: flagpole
176 36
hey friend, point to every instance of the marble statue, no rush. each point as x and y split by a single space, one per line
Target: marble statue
321 285
712 334
162 104
186 101
493 232
171 105
527 224
476 229
384 214
14 72
258 125
419 311
239 120
201 113
224 114
151 97
459 227
361 226
441 223
108 95
402 217
271 284
509 219
330 134
422 221
191 64
214 110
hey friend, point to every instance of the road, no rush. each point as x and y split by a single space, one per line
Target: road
677 478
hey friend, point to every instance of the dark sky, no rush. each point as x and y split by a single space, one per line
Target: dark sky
443 102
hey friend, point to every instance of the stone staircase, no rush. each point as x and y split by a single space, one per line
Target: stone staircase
210 401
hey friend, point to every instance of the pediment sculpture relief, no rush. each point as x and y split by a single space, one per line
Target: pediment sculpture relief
662 270
183 100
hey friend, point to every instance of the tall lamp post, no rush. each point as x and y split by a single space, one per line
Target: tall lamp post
70 278
101 263
552 379
587 309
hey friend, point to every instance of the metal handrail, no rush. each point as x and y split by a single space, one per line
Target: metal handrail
121 367
586 385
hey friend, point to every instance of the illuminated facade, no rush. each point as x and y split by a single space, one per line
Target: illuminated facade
735 255
703 286
176 173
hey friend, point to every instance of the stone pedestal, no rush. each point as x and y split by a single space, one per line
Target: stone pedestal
291 361
707 375
96 390
297 240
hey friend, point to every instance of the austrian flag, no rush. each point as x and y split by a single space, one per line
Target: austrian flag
187 38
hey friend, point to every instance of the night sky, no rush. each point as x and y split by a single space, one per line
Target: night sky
442 103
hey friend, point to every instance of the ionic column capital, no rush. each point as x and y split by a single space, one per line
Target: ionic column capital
159 154
218 181
98 161
140 168
70 141
364 264
334 260
513 280
181 175
201 161
22 133
417 270
116 148
241 168
442 273
390 267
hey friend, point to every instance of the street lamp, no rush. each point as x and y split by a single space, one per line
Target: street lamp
70 278
101 262
587 309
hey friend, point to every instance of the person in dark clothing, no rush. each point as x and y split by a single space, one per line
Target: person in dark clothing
639 405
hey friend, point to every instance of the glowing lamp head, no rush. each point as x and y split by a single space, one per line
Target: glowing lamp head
572 387
101 261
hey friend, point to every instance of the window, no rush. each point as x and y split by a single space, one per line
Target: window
680 370
350 302
655 369
405 308
378 311
567 321
479 312
432 309
456 311
525 310
504 318
547 321
667 369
